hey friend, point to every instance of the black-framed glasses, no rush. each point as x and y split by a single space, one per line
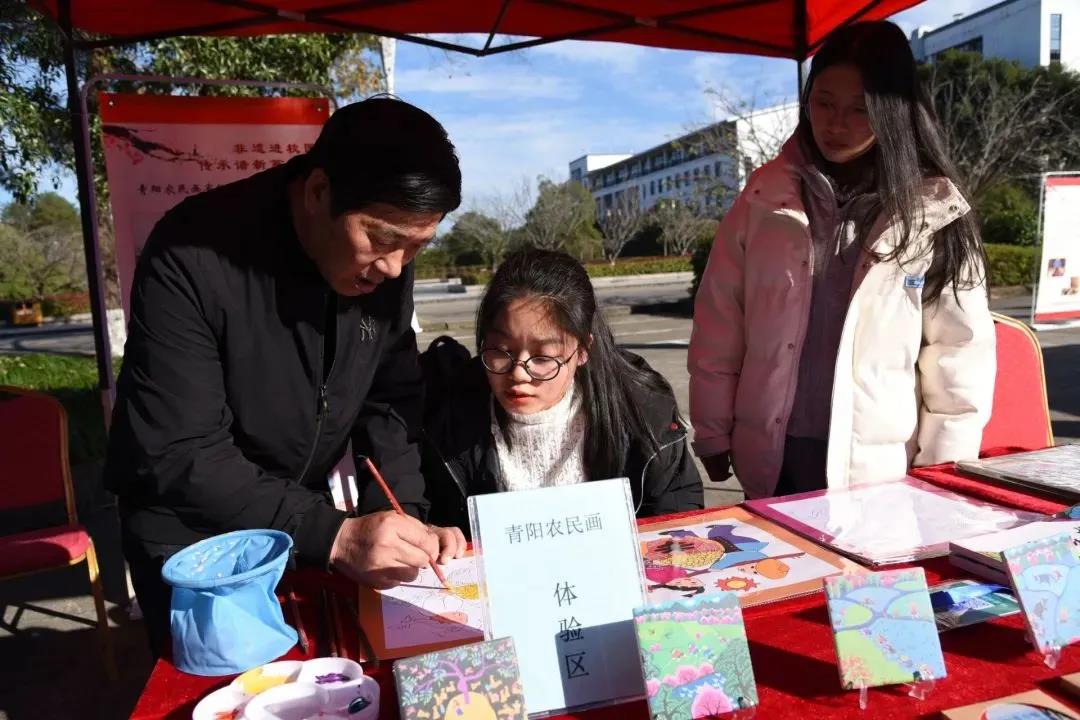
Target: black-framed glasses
539 367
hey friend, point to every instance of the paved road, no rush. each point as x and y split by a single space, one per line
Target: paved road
658 329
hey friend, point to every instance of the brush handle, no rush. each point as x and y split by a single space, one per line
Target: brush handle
397 508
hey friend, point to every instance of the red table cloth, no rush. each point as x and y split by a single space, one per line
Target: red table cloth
791 646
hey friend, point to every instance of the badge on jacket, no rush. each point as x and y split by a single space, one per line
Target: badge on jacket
367 328
914 281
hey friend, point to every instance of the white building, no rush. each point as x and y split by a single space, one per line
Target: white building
1031 32
580 168
691 167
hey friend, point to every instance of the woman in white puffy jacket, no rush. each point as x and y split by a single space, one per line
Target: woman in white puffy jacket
841 329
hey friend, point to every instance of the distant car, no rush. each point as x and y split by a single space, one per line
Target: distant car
24 313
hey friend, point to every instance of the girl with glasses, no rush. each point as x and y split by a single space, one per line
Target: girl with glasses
550 400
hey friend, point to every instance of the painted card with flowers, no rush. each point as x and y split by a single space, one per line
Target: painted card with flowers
481 681
695 657
884 628
1046 575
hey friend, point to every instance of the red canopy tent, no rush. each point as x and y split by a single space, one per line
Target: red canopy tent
777 28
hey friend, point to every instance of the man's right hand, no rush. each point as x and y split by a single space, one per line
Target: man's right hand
718 467
383 549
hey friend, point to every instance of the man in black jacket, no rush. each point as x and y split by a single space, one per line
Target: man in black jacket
270 324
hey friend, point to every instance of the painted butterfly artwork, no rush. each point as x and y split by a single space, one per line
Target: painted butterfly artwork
884 628
1046 576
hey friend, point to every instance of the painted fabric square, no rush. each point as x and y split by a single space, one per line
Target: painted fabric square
1046 576
695 657
472 682
884 628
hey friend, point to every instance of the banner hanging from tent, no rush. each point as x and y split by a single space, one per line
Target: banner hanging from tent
160 149
1058 296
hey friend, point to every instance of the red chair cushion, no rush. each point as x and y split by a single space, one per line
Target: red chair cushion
42 549
1019 420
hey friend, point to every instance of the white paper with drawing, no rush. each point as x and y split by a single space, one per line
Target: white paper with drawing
423 615
423 611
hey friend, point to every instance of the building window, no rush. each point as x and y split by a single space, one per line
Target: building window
697 173
652 187
716 168
705 171
678 181
1055 38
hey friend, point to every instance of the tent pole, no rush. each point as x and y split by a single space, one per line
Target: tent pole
80 131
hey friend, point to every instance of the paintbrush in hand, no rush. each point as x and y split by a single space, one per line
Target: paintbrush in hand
397 508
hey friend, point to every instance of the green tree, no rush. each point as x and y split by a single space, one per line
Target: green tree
1003 121
681 228
15 259
563 218
41 249
475 238
35 135
1009 216
45 210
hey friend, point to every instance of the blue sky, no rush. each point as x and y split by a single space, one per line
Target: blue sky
528 113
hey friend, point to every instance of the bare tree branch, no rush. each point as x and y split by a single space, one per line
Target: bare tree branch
620 224
679 225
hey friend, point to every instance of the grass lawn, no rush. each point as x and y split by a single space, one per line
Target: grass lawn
73 381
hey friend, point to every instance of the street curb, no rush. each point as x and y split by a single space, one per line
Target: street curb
46 328
643 280
433 326
81 321
1008 291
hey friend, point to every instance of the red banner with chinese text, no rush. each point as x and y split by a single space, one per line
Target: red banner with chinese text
160 149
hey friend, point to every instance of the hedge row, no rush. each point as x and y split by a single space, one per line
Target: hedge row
480 275
1006 265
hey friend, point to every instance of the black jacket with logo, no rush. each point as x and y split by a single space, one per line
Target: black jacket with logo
460 458
245 375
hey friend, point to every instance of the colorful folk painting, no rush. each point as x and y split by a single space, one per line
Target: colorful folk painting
732 551
695 657
1046 576
472 682
884 628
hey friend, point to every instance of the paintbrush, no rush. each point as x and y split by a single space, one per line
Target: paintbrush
294 610
363 645
397 508
327 624
337 630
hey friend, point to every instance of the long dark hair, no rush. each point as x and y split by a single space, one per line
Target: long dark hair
910 147
614 417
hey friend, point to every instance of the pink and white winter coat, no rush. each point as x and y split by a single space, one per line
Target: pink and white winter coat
913 384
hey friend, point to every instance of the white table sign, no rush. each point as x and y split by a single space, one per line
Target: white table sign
562 573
